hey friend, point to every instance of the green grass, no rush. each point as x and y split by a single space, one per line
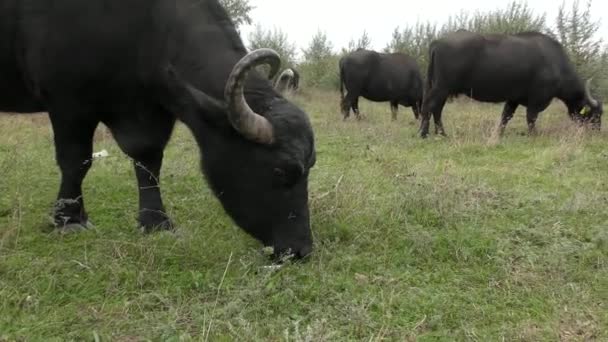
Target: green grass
470 237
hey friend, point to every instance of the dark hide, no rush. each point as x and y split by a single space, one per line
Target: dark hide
528 69
137 66
380 77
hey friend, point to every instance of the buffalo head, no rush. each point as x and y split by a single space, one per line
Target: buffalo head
590 110
257 150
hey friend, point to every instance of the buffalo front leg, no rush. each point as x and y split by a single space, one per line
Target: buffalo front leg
144 142
438 123
424 124
394 110
152 216
507 115
73 137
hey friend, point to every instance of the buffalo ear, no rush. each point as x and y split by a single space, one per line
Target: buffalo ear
187 102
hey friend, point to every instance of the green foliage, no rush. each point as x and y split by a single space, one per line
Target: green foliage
320 65
578 34
320 48
364 42
274 39
516 17
414 41
238 10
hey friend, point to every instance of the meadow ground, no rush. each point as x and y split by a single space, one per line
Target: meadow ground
470 237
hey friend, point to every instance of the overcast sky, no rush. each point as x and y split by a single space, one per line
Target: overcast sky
343 20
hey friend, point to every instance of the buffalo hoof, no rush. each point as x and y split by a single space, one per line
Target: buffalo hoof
72 228
154 221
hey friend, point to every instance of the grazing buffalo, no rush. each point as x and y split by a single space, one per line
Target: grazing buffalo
528 69
137 66
380 77
288 81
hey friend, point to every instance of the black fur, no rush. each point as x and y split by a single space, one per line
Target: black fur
380 77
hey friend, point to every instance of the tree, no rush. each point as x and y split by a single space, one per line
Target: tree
414 41
364 42
319 68
577 32
238 10
516 17
319 48
274 39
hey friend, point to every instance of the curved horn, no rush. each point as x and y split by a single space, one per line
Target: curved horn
588 95
250 124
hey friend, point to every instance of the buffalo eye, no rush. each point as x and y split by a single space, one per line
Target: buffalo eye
287 176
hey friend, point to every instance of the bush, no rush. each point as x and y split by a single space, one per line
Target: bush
577 33
274 39
320 66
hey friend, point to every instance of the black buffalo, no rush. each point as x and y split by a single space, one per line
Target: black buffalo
137 66
380 77
288 81
528 69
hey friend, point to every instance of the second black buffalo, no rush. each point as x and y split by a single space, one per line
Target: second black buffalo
380 77
528 69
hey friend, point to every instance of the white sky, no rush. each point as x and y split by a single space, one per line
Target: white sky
343 20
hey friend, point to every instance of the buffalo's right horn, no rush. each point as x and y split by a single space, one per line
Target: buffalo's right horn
250 124
588 95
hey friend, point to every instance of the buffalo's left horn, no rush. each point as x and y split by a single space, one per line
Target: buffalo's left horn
590 98
250 124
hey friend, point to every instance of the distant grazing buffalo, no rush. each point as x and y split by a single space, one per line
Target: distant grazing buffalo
137 66
528 69
288 80
380 77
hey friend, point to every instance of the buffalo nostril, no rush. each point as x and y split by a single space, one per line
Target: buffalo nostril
304 252
282 255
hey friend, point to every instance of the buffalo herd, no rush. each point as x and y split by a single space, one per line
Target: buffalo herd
527 69
138 66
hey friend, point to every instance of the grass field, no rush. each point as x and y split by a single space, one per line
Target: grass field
468 237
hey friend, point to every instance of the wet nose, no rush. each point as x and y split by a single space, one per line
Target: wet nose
297 253
304 251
